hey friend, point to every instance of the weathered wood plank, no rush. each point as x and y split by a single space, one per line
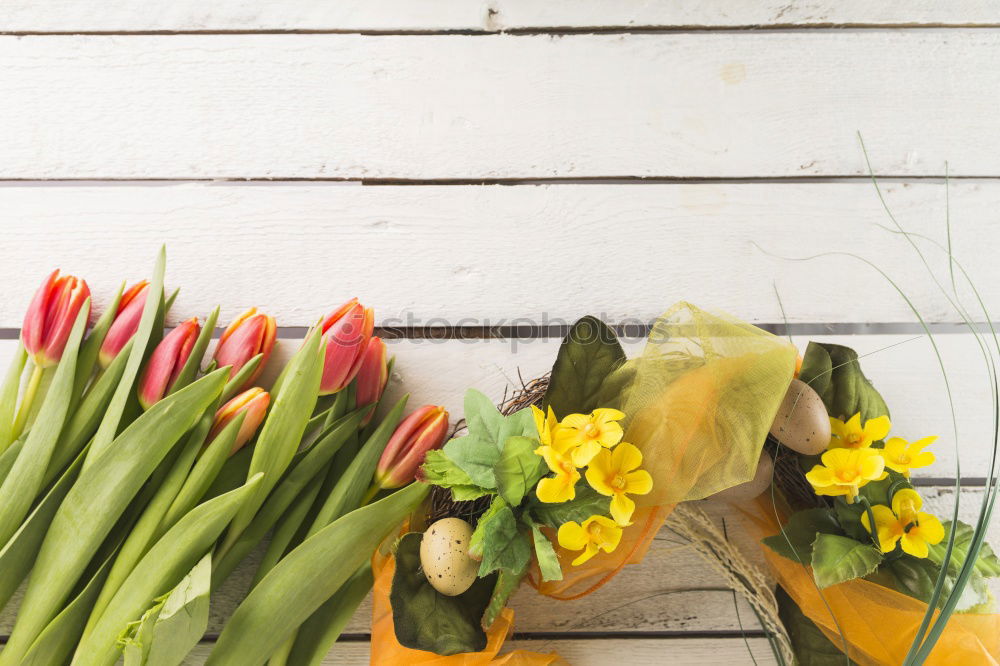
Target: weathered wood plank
702 104
488 16
485 256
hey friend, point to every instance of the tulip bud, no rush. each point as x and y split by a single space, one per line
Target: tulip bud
373 375
254 404
347 330
166 363
126 322
421 431
51 316
250 334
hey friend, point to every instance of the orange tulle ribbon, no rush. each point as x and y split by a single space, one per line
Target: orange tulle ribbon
878 623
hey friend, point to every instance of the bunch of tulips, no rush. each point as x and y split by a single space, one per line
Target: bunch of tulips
135 476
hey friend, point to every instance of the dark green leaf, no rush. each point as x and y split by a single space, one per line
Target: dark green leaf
795 542
545 553
507 584
518 469
427 620
834 372
498 541
588 502
916 577
838 558
588 355
810 645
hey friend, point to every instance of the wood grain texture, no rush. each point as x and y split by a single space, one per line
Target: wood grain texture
703 104
478 15
494 255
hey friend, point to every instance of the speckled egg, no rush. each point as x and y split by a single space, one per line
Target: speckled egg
759 483
802 423
444 556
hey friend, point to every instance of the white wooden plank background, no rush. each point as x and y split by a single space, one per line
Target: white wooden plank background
480 256
387 90
473 15
702 105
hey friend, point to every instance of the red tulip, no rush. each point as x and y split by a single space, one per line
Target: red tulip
51 316
421 431
373 375
250 334
254 404
347 330
166 363
126 322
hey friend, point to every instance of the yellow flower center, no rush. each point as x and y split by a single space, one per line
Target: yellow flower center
855 439
594 530
903 459
567 466
618 481
847 475
591 430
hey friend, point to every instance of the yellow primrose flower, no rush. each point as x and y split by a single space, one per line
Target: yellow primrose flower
905 523
611 473
851 435
596 533
585 435
561 487
546 424
845 470
902 456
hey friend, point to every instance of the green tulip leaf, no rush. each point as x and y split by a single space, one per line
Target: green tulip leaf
427 620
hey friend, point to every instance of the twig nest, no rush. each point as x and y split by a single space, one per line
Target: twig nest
444 556
802 423
752 488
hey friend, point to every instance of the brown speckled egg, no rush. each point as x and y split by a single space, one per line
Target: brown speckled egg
444 556
759 483
802 423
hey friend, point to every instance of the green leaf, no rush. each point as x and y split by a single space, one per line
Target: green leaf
482 417
834 372
8 397
283 428
93 505
810 645
588 355
498 539
987 563
838 558
305 578
159 571
588 502
319 633
476 457
24 482
917 577
138 636
468 493
507 583
518 469
427 620
545 553
150 328
182 619
795 542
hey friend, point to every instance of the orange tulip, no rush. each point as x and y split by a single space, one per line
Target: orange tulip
166 362
421 431
347 330
126 322
51 316
254 404
250 334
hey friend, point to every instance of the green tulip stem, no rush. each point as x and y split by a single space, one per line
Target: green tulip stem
29 397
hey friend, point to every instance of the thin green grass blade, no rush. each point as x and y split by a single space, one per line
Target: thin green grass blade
282 430
8 396
318 634
307 577
166 563
285 493
193 363
151 320
99 497
91 347
24 482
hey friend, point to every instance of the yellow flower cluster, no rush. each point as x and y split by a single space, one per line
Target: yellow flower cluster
850 463
592 441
